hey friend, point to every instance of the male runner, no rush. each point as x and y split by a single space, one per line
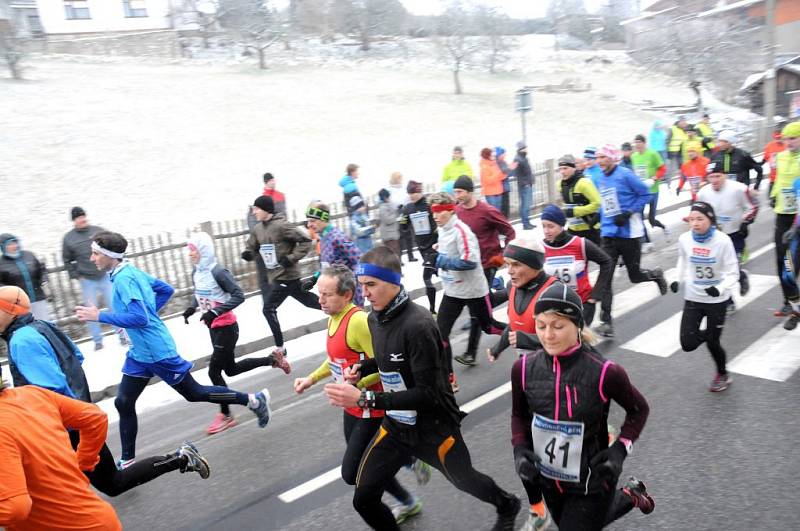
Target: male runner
418 215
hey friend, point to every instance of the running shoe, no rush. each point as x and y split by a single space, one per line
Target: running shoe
636 489
744 283
537 522
659 278
279 360
606 329
422 471
404 512
434 314
791 322
667 234
98 346
194 461
454 383
466 359
720 383
731 309
221 423
506 520
262 410
784 311
122 464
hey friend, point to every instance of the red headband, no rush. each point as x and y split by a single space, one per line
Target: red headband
13 308
442 208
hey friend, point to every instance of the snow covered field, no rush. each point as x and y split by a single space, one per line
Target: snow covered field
149 145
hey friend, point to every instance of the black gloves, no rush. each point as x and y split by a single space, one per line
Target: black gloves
607 464
569 212
188 312
621 219
712 291
247 255
285 262
772 201
674 287
744 229
208 317
307 283
526 463
677 191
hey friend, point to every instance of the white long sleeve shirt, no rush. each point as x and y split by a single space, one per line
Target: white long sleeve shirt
457 241
732 204
702 265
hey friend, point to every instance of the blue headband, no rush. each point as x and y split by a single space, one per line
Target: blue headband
372 270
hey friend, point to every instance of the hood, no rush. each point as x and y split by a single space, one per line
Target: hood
205 246
657 123
348 184
6 237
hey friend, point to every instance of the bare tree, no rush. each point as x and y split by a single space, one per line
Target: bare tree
493 25
456 38
255 24
12 47
365 19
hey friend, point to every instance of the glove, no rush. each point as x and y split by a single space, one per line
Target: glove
307 283
621 219
188 312
712 291
744 229
607 464
526 463
569 212
788 235
208 317
285 262
772 201
674 287
677 191
247 255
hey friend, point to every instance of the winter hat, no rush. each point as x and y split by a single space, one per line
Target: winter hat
609 151
356 202
521 145
486 153
268 177
14 301
640 138
626 146
464 182
458 149
689 128
567 160
76 212
414 187
265 203
384 194
705 209
728 136
528 250
5 239
554 214
499 151
590 153
563 300
317 210
791 130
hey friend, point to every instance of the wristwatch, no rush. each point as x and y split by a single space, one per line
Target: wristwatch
366 400
628 445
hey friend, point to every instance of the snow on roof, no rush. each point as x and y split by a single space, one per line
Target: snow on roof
728 7
755 79
646 15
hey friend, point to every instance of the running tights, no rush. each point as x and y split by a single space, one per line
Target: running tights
579 512
480 308
691 335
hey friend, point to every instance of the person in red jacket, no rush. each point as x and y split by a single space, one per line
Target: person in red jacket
277 197
693 170
771 150
492 178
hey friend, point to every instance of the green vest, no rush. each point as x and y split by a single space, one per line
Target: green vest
706 131
788 164
676 140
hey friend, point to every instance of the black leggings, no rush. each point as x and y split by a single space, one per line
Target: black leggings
430 290
783 222
112 482
358 433
443 448
579 512
224 339
691 335
273 296
131 387
475 326
631 251
479 308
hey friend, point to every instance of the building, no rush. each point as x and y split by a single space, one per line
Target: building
787 86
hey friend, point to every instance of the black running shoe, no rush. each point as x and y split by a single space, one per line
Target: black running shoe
791 322
506 520
466 359
744 283
637 491
659 278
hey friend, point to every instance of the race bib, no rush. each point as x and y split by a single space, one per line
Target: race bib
610 201
203 299
703 268
392 383
641 172
563 268
573 222
421 223
559 445
337 370
268 254
789 201
694 182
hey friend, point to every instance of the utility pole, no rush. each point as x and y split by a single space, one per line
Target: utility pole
769 81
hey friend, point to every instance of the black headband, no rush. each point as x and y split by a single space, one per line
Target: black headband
529 257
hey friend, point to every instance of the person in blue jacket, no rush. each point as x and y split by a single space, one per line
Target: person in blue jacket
42 355
623 196
136 299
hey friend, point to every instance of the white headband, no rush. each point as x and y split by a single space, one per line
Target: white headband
112 254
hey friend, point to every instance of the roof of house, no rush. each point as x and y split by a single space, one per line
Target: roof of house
729 7
754 79
647 14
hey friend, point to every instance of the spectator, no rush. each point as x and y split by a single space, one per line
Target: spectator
22 269
524 174
500 157
388 212
692 142
399 196
658 138
492 178
349 186
457 167
675 139
361 228
707 135
277 197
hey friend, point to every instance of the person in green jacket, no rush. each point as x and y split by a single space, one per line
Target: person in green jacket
581 200
457 167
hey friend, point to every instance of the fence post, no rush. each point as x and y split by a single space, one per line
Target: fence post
550 164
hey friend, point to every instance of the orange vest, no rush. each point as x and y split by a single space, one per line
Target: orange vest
524 322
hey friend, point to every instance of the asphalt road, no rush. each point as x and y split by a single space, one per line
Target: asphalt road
711 461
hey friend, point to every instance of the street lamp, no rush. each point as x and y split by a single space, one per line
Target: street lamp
524 103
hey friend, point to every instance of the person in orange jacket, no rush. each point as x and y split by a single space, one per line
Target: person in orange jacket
693 170
492 178
771 150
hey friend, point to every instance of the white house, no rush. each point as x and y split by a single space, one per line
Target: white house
104 16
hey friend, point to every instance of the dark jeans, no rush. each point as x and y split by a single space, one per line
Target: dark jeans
783 222
131 387
479 308
579 512
274 294
631 251
505 204
691 335
223 339
406 241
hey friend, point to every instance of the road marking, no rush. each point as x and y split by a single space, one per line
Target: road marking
774 356
663 340
485 398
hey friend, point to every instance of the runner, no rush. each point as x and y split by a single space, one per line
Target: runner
560 438
789 279
650 168
735 160
422 418
707 269
281 246
694 170
135 303
784 201
675 139
349 343
590 167
735 209
624 197
42 355
418 215
581 200
216 294
464 283
567 257
771 150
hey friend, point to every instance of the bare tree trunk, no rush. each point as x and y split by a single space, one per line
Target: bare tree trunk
456 79
364 41
12 66
262 58
492 61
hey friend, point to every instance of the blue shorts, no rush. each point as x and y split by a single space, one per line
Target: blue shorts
171 370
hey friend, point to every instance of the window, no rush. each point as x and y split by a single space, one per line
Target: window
134 8
76 9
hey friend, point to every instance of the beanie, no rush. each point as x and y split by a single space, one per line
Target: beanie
76 212
705 209
464 182
268 177
609 151
529 251
384 194
414 187
554 214
727 136
590 153
14 301
626 146
640 138
265 203
521 145
567 160
563 300
791 130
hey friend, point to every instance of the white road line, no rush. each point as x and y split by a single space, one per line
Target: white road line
775 356
663 340
767 248
485 398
